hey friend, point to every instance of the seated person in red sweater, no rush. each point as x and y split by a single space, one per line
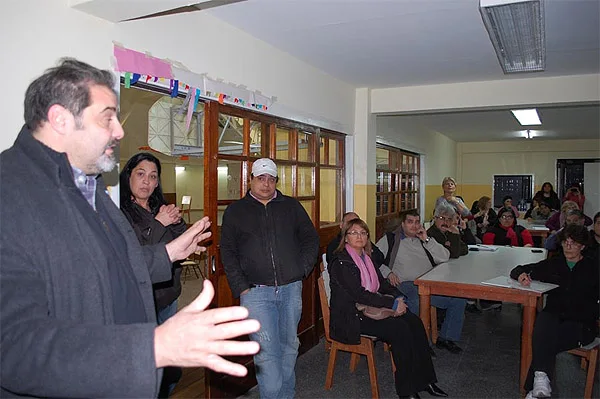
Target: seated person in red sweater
506 231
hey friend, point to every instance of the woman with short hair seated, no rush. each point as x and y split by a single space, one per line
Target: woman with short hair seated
484 214
569 319
506 231
354 280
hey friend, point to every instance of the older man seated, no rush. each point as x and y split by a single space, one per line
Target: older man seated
446 231
410 253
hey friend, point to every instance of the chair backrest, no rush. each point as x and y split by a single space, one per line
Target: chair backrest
186 205
186 200
324 306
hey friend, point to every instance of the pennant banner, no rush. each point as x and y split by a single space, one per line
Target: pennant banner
134 61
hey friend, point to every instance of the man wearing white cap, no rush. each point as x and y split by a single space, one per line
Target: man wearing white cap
268 245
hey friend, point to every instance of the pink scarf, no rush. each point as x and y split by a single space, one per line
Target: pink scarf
368 276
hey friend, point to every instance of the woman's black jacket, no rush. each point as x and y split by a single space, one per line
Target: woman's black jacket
577 296
346 292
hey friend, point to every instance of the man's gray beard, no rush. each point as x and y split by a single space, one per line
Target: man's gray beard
106 163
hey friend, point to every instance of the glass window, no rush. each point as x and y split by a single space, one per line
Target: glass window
333 152
383 158
282 143
229 180
285 179
256 139
308 206
304 182
331 196
305 153
231 135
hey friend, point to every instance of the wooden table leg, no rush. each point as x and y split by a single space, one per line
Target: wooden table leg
424 311
528 322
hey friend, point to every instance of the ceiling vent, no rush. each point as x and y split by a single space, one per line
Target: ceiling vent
516 29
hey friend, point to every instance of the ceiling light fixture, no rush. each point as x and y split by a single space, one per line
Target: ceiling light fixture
516 29
527 117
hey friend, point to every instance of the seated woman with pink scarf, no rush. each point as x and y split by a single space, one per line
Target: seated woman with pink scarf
355 280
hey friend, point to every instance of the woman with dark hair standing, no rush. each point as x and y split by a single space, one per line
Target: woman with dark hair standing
549 196
153 222
569 318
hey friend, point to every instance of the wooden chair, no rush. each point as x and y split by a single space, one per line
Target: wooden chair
186 207
366 347
589 360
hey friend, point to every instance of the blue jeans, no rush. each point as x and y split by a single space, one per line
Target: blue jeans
455 310
278 310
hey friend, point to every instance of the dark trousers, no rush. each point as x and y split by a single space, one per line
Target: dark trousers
410 350
551 335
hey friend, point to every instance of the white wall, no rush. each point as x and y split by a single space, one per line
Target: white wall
37 32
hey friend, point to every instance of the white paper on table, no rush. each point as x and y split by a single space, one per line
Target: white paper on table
507 282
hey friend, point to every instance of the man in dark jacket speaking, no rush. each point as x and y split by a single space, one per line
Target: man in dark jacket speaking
268 245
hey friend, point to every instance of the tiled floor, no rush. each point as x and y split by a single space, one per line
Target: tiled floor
487 368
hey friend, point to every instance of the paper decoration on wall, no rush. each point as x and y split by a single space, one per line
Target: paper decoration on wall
134 61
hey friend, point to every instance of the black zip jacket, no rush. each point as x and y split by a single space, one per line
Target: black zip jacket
273 244
576 298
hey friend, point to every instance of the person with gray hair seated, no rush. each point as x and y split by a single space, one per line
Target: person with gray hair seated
573 216
445 231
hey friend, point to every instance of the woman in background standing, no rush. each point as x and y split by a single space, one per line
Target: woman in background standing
153 222
549 196
449 187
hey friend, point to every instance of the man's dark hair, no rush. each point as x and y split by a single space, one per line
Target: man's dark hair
577 233
156 199
507 197
596 216
412 212
67 85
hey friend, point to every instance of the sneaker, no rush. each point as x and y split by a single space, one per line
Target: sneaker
529 395
541 385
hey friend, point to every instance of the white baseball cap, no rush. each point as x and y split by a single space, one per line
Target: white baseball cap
264 165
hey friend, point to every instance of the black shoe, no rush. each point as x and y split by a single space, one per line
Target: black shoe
432 352
489 305
472 308
434 390
449 345
413 396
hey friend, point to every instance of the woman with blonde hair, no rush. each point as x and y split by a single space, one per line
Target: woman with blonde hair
558 220
449 197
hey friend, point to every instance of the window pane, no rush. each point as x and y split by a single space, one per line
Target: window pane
229 180
231 134
382 158
322 155
285 179
305 147
308 206
282 144
255 139
333 151
330 204
305 182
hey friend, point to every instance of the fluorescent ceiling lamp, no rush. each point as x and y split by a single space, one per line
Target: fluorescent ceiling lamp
527 117
179 169
516 29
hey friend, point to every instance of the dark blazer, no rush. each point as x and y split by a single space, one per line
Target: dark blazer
346 292
58 333
577 296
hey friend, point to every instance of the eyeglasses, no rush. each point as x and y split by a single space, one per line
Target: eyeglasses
507 217
358 233
444 218
571 244
266 179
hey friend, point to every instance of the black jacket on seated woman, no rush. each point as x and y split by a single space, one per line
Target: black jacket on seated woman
569 319
354 280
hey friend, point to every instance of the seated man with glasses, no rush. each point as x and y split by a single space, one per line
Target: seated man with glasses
506 231
446 232
410 253
573 216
